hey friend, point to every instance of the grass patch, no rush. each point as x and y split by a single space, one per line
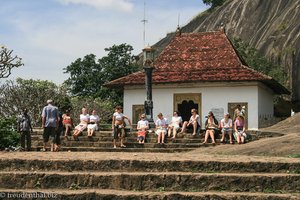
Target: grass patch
294 156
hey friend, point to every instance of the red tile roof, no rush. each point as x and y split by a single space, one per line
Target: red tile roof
199 57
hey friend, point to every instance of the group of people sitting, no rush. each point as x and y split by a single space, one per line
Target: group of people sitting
89 122
228 127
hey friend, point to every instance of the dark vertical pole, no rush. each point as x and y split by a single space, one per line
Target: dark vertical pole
148 84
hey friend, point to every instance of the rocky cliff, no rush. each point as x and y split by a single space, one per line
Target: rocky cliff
271 26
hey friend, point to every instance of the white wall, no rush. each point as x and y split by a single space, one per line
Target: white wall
212 97
265 108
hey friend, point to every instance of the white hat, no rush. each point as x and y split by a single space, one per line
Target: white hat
49 101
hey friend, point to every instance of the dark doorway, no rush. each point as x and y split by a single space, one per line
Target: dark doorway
185 109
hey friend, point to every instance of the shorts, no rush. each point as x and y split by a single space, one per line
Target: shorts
49 132
118 129
226 130
141 138
240 133
93 127
159 131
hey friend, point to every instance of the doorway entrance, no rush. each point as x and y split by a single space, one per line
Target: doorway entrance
183 103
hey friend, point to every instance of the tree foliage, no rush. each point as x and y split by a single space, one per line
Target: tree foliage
30 94
253 58
8 62
214 3
88 75
104 108
8 133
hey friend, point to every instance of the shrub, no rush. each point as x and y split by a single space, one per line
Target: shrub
8 133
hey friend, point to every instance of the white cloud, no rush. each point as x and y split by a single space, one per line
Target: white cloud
123 5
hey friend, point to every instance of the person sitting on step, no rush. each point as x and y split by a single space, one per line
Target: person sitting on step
142 127
84 120
67 123
239 129
194 121
175 124
211 126
226 128
93 124
161 128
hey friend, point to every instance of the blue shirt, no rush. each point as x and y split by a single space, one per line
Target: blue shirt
50 113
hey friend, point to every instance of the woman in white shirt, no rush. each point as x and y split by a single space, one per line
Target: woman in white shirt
161 128
84 120
226 128
93 124
118 126
194 121
175 124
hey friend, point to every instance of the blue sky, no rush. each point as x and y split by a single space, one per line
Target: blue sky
50 34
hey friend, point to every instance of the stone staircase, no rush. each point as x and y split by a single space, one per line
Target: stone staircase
102 142
129 177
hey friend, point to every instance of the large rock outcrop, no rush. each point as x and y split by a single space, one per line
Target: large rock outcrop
271 26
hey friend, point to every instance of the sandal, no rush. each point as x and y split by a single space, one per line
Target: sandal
123 146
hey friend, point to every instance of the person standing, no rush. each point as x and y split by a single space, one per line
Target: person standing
118 126
50 121
24 127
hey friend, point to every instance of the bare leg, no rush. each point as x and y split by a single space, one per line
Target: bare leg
206 136
230 137
45 146
122 137
212 136
174 132
115 143
158 137
184 126
238 138
170 130
242 139
163 137
223 136
194 128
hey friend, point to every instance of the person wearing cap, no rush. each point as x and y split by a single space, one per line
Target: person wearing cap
161 125
239 129
50 121
226 128
211 126
142 127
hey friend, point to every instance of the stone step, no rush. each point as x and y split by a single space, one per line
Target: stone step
159 149
131 138
83 194
128 144
100 134
142 162
153 181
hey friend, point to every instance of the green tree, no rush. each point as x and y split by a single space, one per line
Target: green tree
84 77
258 62
87 76
30 94
214 3
8 62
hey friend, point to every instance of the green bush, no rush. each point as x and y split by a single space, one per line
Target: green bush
8 133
